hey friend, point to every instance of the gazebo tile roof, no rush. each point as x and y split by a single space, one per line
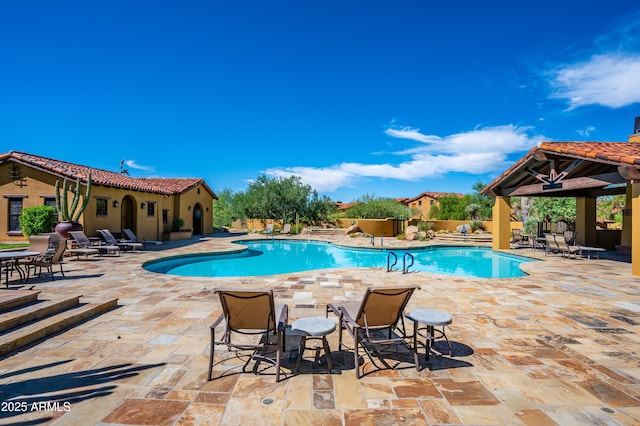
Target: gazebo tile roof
628 152
621 153
164 186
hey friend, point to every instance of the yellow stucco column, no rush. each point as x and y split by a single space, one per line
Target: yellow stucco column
635 229
586 221
501 224
627 223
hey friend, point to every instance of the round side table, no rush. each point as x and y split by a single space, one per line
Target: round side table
314 328
430 319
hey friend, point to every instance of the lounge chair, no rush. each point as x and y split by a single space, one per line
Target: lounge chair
251 312
372 321
566 249
570 237
132 238
551 246
123 244
517 236
47 261
85 247
519 239
286 228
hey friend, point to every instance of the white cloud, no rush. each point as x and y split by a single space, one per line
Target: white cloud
478 151
586 132
132 164
608 79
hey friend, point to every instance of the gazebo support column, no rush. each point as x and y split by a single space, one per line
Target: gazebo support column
586 221
635 229
501 223
627 219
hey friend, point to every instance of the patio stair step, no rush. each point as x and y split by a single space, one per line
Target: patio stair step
12 299
35 311
324 231
473 238
58 316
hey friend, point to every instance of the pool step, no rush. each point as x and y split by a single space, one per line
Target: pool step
35 320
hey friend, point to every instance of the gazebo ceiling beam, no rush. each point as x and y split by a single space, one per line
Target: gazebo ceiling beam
586 182
555 176
629 172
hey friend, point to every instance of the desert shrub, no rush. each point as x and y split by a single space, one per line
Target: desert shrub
477 225
426 226
37 220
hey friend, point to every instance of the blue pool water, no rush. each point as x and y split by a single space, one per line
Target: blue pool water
283 256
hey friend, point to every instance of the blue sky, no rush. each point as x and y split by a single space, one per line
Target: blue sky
356 97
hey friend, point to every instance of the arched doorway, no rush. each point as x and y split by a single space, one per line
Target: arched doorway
197 219
127 214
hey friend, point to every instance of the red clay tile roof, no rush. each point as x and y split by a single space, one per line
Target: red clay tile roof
164 186
434 195
343 206
612 152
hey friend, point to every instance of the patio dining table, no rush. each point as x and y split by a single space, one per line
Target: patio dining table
9 260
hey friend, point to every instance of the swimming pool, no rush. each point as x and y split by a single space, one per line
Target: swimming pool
285 256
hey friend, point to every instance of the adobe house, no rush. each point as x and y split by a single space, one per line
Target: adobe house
584 170
148 206
424 202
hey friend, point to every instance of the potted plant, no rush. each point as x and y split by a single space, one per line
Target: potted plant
70 213
178 232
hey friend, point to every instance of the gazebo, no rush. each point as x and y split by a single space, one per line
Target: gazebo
584 170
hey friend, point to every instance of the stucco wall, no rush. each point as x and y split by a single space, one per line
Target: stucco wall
385 227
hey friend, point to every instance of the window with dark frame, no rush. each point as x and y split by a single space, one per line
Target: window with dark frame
165 216
51 202
101 206
151 209
15 210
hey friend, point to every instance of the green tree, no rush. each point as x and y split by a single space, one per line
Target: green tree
484 202
610 207
223 214
280 199
553 209
472 211
474 206
37 220
370 207
452 207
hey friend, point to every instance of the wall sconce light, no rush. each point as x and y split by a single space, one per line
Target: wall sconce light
143 206
116 204
16 177
189 208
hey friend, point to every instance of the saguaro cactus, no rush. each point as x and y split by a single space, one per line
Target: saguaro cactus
71 213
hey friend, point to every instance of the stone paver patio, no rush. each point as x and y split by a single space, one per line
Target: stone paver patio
559 346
